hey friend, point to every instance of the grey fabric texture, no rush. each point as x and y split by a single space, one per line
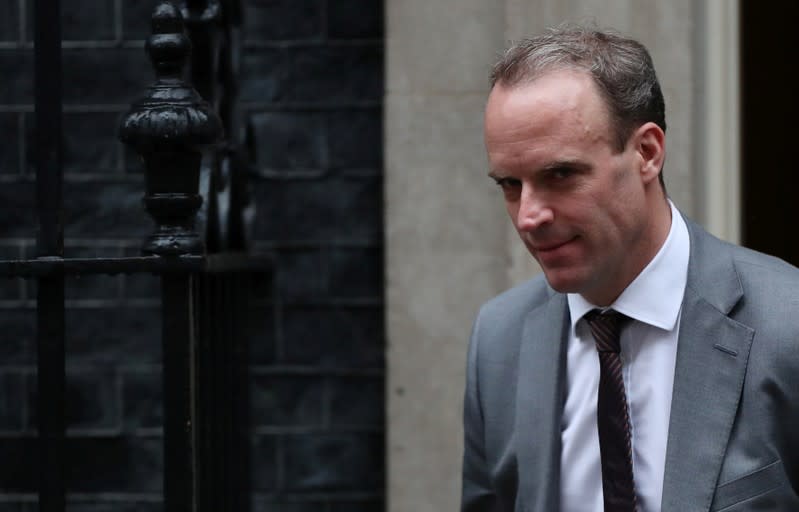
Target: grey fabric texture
733 442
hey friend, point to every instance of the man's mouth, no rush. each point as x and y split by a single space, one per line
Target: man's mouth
544 248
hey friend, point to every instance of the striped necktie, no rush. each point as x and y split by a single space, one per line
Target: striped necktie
613 419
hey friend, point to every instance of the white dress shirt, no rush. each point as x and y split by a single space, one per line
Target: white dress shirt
649 352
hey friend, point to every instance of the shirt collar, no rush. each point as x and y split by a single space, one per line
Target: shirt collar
655 295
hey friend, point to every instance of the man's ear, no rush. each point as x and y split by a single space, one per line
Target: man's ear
650 144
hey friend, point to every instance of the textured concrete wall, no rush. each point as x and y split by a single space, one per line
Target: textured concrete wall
443 233
312 86
449 244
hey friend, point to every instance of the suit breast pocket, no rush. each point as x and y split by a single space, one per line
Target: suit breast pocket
757 484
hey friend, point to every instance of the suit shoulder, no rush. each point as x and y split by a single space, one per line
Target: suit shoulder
749 264
517 301
497 331
752 264
770 287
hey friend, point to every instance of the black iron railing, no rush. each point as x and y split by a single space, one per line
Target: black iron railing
206 273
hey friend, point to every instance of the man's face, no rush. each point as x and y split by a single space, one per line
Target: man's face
584 209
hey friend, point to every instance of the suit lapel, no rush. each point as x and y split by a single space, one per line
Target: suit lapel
712 355
540 395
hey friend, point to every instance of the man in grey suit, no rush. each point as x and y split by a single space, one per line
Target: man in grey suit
708 353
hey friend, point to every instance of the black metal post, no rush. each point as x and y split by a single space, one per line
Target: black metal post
171 127
51 382
240 451
214 407
49 179
179 351
49 244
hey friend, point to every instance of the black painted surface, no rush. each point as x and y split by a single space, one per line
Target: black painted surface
311 88
768 108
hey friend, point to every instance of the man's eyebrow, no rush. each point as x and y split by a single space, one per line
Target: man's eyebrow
577 165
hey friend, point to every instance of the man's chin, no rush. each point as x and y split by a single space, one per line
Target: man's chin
564 282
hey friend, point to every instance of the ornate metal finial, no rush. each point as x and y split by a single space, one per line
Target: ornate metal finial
170 127
168 46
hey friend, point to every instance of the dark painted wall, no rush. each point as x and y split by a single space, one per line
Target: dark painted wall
769 110
311 90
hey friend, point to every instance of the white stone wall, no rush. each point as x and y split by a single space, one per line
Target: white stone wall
444 234
449 244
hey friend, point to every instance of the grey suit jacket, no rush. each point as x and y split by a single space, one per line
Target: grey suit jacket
733 442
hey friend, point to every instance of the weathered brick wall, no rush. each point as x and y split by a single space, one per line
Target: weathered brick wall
311 90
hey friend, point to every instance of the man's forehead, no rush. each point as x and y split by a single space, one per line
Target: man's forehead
563 85
565 100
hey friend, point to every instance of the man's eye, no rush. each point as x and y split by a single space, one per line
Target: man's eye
507 183
561 173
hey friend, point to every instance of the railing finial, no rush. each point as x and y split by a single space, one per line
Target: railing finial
170 127
168 45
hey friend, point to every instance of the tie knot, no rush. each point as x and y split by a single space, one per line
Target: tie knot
606 327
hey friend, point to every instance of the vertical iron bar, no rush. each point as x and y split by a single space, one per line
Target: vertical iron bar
225 392
205 408
49 243
240 467
179 352
47 69
217 395
51 381
235 392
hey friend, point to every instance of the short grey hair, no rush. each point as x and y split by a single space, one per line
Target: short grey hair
621 68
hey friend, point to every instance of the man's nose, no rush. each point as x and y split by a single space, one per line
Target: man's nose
533 210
